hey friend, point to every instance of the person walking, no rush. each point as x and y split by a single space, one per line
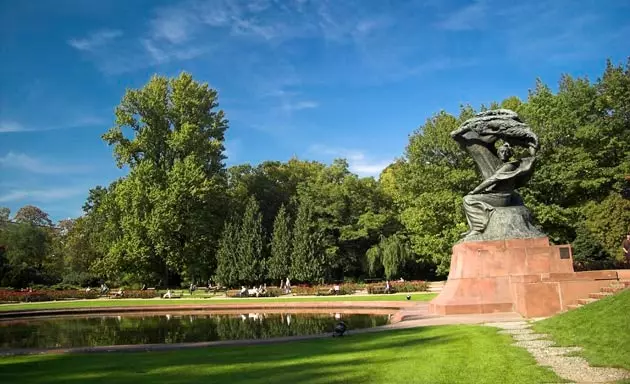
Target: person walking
626 248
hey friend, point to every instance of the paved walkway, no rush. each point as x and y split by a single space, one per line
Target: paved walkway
568 367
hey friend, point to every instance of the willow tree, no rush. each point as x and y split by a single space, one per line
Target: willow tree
391 255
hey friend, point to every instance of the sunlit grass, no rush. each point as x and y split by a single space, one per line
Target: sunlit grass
447 354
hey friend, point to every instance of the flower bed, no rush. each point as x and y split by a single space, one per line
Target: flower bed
9 296
399 286
323 290
137 294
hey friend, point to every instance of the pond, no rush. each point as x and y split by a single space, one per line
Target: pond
161 328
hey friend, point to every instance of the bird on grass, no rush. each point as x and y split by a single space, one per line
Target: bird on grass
408 297
340 329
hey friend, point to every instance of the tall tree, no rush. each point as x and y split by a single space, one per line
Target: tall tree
227 255
33 215
251 265
308 259
172 203
279 263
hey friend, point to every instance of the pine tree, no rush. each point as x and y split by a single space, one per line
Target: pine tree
250 244
280 262
307 257
227 267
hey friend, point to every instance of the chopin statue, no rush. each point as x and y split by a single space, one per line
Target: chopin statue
494 210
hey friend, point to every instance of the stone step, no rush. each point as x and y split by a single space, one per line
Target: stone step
612 289
586 301
599 295
573 306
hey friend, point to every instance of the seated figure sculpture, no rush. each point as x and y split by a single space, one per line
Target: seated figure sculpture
502 175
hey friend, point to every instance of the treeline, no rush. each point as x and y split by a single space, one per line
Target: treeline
180 215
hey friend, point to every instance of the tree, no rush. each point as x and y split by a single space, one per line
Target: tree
308 259
251 265
27 255
172 203
33 215
227 255
4 214
428 185
392 254
279 264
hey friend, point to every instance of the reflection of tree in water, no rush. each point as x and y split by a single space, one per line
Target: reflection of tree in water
94 331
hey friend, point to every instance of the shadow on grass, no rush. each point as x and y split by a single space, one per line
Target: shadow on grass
345 360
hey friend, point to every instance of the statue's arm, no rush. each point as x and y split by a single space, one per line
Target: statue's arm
484 185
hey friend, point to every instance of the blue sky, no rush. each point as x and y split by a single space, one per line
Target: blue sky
313 78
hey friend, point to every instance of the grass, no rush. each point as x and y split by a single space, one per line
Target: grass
140 302
446 354
601 328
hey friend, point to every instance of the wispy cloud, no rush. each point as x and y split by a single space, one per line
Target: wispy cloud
11 126
358 162
299 105
42 195
27 163
469 17
78 122
95 40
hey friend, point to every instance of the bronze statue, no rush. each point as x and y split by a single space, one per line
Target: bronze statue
502 174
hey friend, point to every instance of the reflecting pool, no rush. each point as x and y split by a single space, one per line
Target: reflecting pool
164 328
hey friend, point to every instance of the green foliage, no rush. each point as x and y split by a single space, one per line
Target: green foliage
171 206
392 255
32 215
279 263
169 220
308 259
251 264
227 256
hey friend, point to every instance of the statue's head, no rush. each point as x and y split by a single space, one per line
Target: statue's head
505 152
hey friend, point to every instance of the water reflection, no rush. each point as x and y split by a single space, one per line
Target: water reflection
171 328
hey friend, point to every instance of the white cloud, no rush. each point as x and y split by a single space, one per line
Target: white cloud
11 126
76 122
472 16
42 195
95 40
299 105
30 164
358 162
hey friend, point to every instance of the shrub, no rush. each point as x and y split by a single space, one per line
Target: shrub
137 294
8 296
399 286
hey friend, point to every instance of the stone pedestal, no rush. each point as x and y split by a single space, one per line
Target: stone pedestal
500 276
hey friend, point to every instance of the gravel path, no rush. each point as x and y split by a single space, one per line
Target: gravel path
572 368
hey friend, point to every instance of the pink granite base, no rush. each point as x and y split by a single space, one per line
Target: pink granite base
528 276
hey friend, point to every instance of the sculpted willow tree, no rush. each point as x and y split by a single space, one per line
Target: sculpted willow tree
171 137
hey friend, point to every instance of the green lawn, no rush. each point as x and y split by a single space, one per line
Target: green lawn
209 302
601 328
446 354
